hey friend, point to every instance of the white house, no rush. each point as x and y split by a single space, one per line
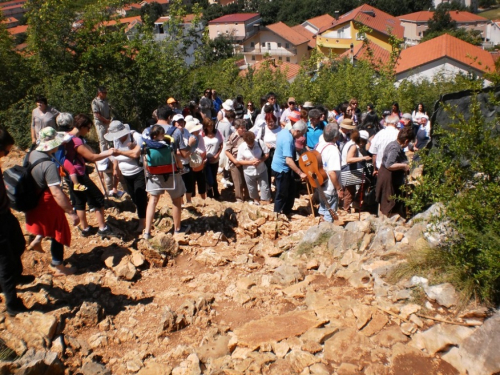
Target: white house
446 56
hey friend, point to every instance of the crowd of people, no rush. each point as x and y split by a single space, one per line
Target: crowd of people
182 151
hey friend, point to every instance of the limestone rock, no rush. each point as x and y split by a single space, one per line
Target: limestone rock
39 362
319 369
213 349
134 364
359 226
313 264
114 255
291 324
280 348
137 259
300 360
287 274
444 294
389 337
348 369
384 238
153 368
191 366
319 335
346 346
93 368
479 352
125 269
440 337
375 325
98 340
361 279
409 309
349 257
89 314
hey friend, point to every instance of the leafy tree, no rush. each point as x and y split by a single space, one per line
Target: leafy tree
441 21
398 8
150 12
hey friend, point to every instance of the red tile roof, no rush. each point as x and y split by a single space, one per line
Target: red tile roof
123 21
379 55
287 33
188 18
381 21
291 69
18 29
306 33
445 46
11 3
458 16
321 21
235 17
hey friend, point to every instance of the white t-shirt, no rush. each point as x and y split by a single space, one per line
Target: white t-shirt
185 136
256 152
128 166
225 128
212 144
380 142
330 156
269 135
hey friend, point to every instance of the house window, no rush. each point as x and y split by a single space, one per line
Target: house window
253 57
252 44
287 59
287 45
280 58
279 45
269 46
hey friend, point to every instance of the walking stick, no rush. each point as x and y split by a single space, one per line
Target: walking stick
310 198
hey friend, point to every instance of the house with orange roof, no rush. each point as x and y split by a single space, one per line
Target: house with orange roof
346 32
371 52
10 22
444 56
22 29
238 26
415 24
291 70
314 25
277 41
13 8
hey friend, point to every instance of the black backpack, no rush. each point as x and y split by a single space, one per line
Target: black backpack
22 190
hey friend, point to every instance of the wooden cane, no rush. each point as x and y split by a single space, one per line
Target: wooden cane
310 198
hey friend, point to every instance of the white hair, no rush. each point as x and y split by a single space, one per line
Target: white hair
64 120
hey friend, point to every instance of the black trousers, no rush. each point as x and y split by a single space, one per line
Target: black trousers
12 244
285 192
136 187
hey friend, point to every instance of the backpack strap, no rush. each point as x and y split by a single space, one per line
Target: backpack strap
171 130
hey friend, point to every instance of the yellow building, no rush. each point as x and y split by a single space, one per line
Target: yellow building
344 33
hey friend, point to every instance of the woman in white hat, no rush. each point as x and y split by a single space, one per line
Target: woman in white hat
128 145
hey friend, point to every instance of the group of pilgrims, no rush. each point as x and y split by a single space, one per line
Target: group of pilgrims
226 150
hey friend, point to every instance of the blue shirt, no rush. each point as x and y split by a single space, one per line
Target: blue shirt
285 148
313 134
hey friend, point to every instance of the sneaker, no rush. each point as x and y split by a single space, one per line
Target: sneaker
147 236
106 232
117 195
62 270
226 183
183 171
183 229
86 232
91 209
16 307
79 187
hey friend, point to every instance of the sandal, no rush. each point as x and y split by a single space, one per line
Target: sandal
79 187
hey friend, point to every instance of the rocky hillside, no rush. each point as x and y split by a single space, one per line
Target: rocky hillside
244 293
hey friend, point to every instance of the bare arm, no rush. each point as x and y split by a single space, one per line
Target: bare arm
399 166
354 159
134 153
90 156
233 159
63 202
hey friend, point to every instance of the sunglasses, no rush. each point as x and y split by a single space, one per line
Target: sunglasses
291 103
249 105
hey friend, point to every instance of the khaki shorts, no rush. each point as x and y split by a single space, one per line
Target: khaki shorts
158 184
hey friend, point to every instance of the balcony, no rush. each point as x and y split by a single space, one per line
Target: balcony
343 43
272 52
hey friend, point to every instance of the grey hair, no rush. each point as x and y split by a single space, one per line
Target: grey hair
331 132
315 113
300 126
239 123
391 119
64 120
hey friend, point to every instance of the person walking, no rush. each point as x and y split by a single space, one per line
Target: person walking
12 242
43 115
53 200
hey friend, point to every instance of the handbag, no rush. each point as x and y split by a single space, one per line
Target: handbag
352 174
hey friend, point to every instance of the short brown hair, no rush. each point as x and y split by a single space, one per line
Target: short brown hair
82 120
355 136
405 134
249 137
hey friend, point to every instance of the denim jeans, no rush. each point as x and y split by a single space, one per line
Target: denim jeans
333 202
